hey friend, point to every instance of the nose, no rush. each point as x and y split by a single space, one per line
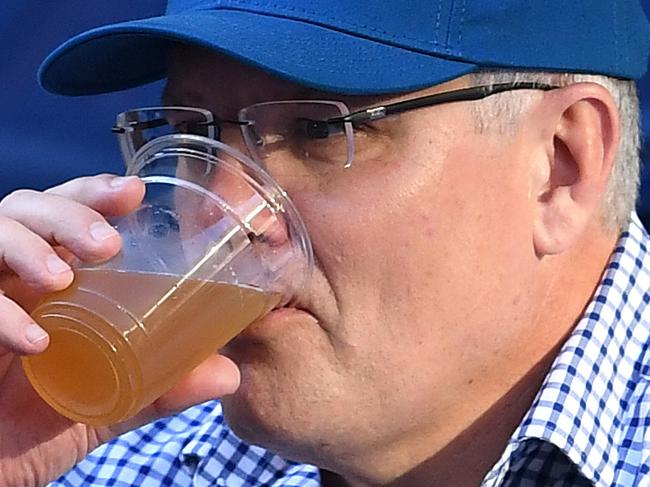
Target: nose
235 183
231 135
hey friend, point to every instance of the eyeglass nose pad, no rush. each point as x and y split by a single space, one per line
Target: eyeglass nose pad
253 141
257 140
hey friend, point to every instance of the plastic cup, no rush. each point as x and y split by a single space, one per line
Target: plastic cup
214 246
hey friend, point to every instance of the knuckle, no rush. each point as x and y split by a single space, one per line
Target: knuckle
91 182
86 190
10 228
71 217
88 181
81 242
42 280
103 177
13 316
16 199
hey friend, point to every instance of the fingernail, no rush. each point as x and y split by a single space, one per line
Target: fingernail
55 265
101 231
230 388
120 182
35 333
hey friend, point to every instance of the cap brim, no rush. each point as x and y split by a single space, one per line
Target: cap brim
129 54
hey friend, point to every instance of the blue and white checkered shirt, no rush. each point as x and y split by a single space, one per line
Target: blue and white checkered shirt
589 424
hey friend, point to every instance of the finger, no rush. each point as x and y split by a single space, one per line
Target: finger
108 194
64 254
215 377
62 221
18 332
31 258
15 289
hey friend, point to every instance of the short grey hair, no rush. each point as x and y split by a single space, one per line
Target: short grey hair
501 113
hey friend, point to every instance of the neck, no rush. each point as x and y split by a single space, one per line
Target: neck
467 459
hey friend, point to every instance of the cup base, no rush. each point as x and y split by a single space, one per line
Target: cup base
88 372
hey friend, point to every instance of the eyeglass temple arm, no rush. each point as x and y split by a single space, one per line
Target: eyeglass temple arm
464 94
159 122
148 124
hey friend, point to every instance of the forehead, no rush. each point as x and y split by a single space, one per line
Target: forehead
204 78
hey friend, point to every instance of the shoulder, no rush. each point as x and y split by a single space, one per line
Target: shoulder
193 447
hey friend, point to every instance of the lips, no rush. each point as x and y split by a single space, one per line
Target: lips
273 323
313 305
284 314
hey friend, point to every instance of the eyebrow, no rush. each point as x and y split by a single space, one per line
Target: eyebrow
186 99
167 99
353 102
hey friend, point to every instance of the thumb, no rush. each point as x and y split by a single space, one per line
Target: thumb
215 377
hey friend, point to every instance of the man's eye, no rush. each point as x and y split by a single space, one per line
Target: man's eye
317 129
313 129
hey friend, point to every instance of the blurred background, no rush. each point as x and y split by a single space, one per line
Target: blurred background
46 139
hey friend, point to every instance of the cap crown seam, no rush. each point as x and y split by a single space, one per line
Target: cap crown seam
459 51
452 7
436 32
319 18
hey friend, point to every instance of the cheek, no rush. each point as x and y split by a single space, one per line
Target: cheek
422 251
371 243
481 258
416 240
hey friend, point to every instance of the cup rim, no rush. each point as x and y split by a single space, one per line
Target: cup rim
201 147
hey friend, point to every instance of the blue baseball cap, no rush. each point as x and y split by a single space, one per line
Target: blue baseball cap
368 46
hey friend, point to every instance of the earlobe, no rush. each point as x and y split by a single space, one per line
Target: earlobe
580 149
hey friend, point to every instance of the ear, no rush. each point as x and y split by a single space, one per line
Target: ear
580 127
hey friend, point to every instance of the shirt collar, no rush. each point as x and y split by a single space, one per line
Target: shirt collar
578 408
214 455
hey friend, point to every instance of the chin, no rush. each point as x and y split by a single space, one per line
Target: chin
284 403
291 387
262 417
312 431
